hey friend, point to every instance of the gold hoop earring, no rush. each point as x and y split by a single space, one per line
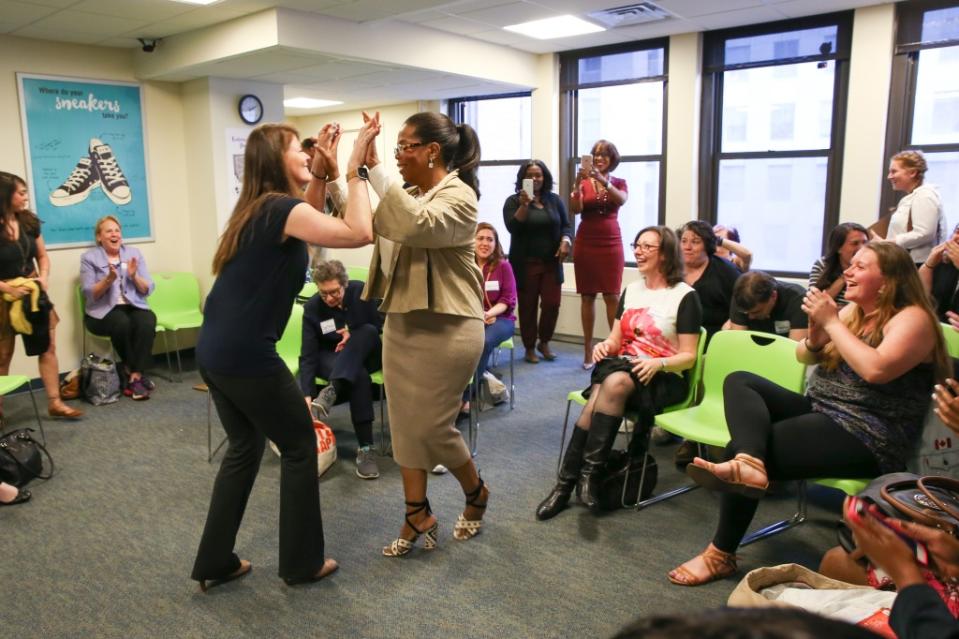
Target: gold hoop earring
430 163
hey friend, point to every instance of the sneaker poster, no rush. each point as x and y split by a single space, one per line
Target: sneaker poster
86 156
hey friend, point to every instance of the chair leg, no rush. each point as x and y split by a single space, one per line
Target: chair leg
669 494
36 411
512 385
179 364
785 524
562 438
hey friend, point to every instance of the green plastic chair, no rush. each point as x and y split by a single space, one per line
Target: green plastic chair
952 339
10 383
360 273
309 290
176 302
695 375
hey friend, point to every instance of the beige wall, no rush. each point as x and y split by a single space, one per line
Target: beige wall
163 107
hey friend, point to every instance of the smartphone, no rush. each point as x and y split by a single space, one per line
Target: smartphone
528 187
857 509
586 162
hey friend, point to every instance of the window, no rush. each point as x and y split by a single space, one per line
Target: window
504 125
618 94
772 126
924 105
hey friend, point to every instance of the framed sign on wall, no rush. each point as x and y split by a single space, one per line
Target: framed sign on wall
86 156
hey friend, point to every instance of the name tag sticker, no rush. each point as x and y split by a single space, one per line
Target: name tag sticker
328 326
492 285
782 327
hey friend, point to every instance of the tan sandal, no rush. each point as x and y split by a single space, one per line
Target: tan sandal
704 473
719 565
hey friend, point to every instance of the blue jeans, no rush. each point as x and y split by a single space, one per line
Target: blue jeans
496 333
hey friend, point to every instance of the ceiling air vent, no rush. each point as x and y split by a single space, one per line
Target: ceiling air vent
630 15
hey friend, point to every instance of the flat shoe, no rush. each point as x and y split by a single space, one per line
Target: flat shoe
531 357
242 571
544 350
719 565
328 568
22 497
704 474
65 411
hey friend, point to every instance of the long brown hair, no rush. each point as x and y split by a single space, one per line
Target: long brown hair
28 221
498 254
264 177
672 267
902 288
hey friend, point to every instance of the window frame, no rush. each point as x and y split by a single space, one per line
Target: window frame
569 115
902 88
711 124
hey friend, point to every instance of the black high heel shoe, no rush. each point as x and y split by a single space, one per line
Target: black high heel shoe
468 528
242 571
399 546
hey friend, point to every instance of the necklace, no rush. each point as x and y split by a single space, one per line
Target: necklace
602 194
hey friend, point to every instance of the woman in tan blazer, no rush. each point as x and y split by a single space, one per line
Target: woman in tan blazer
424 270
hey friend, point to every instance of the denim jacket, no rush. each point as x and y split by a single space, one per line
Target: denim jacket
94 266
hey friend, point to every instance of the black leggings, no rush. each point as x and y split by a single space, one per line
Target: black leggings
779 427
131 331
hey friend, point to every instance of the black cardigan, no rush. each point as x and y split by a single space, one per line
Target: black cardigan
519 240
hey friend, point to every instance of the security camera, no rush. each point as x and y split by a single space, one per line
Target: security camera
148 45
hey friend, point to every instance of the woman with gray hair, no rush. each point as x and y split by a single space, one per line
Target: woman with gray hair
341 344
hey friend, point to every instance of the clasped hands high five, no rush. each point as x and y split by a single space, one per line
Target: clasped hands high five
326 143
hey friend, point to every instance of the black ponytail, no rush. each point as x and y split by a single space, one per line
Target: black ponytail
459 144
468 156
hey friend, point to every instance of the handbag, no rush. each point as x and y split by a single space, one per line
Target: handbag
622 469
325 447
20 458
99 380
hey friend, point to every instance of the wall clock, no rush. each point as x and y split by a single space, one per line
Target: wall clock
251 109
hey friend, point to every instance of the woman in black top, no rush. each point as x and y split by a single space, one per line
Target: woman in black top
540 237
24 267
711 276
260 263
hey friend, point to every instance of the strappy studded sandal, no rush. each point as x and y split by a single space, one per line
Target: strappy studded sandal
704 473
719 565
468 528
399 546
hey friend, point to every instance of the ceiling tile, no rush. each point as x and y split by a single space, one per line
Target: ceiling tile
372 10
500 36
183 23
693 8
800 8
456 25
142 10
753 15
506 14
58 35
18 14
70 21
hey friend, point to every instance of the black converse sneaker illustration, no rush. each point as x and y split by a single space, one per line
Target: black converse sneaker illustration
112 180
83 179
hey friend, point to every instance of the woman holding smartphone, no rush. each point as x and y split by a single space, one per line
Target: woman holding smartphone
862 412
598 259
540 237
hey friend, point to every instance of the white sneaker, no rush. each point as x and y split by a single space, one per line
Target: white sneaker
76 188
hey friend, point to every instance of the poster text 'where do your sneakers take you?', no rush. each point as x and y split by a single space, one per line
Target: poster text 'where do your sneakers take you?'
86 156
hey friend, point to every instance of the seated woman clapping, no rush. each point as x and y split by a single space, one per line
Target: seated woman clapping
638 367
862 411
115 284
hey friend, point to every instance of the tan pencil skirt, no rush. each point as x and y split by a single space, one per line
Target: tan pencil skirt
428 359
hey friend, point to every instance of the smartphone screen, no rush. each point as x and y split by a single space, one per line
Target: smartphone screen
528 186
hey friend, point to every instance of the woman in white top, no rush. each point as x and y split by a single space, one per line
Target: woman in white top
917 224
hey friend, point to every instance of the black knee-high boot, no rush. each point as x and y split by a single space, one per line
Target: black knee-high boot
602 434
568 474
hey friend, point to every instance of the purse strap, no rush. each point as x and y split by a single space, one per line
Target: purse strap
943 483
27 436
917 514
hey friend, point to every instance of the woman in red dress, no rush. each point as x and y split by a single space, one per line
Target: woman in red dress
598 259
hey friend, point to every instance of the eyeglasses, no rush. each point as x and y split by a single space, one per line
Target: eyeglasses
400 148
644 248
331 294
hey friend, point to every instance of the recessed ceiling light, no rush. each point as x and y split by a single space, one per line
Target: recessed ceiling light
198 1
558 27
309 103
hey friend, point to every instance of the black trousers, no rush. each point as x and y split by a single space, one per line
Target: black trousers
353 365
251 409
778 426
131 331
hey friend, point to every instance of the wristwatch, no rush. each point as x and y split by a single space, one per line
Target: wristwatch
359 172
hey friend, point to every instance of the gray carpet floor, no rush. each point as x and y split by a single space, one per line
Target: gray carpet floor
105 548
